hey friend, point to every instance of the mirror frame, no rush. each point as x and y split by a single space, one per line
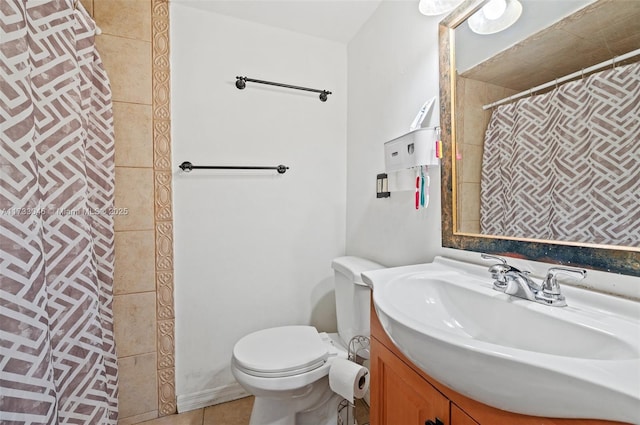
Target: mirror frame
624 260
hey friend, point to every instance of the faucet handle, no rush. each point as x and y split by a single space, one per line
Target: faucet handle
498 271
493 257
550 292
550 284
501 268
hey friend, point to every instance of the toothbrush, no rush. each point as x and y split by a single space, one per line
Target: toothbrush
426 191
417 190
422 186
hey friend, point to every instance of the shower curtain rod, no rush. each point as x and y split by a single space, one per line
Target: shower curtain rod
565 78
241 83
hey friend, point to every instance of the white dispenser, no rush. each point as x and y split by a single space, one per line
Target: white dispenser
414 149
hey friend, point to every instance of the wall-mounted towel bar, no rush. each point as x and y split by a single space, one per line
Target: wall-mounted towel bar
187 166
241 83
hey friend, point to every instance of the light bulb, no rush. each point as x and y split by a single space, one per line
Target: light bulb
494 9
495 16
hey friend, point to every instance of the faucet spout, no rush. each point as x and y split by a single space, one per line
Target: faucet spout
514 282
520 285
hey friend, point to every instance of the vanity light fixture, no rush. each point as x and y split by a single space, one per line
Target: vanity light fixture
437 7
495 16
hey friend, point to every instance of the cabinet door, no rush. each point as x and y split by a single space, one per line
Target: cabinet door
399 395
458 417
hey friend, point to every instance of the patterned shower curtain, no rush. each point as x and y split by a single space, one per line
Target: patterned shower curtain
57 353
565 165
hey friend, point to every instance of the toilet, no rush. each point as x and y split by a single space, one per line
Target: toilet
287 368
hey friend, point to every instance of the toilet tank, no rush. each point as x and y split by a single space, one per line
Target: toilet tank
352 296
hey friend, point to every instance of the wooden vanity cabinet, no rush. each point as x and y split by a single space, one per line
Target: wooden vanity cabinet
400 397
402 394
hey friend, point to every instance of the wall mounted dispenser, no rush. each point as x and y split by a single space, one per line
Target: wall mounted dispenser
414 149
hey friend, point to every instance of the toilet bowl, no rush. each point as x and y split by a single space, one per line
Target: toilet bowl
286 368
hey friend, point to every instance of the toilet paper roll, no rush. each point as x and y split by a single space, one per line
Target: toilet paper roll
348 379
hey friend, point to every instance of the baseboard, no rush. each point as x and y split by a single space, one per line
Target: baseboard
210 397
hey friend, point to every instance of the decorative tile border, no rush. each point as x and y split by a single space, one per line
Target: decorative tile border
163 209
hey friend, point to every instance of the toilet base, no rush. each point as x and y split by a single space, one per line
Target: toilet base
317 405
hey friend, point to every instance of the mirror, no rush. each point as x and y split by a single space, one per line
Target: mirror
462 126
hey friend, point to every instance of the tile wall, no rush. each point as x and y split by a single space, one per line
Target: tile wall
472 121
134 48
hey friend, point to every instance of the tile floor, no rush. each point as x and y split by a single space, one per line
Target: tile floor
235 412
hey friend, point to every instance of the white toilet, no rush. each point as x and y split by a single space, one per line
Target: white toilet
287 368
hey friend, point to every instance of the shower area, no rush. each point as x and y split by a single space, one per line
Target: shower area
59 361
86 257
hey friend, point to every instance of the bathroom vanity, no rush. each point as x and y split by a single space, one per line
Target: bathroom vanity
401 393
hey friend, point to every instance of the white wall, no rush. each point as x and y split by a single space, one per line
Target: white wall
252 249
393 69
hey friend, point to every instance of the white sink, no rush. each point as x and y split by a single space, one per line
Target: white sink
579 361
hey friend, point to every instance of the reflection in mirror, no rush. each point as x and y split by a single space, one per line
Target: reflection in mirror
549 177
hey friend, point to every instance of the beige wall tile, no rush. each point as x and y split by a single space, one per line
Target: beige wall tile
475 126
134 191
124 18
627 44
470 227
132 420
472 157
135 324
128 65
134 134
125 49
470 202
134 262
138 385
475 93
88 4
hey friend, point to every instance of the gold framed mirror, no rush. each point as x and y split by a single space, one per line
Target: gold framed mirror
616 259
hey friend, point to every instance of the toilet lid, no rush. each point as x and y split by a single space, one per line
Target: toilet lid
281 351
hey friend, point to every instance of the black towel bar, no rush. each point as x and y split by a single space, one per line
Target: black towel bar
241 83
187 166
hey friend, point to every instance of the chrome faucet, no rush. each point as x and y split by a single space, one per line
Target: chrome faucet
513 281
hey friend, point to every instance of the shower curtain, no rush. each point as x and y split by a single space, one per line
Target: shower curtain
565 165
57 353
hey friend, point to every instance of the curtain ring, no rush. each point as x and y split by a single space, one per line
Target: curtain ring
556 83
613 62
582 73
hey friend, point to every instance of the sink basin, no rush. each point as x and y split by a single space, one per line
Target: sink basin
579 361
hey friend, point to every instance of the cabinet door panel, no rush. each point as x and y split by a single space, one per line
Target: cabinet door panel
399 395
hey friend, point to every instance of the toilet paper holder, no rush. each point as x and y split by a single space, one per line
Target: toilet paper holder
358 351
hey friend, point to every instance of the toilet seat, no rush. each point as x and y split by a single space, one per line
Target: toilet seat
282 351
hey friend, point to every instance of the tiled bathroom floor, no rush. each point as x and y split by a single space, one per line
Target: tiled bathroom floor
233 413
